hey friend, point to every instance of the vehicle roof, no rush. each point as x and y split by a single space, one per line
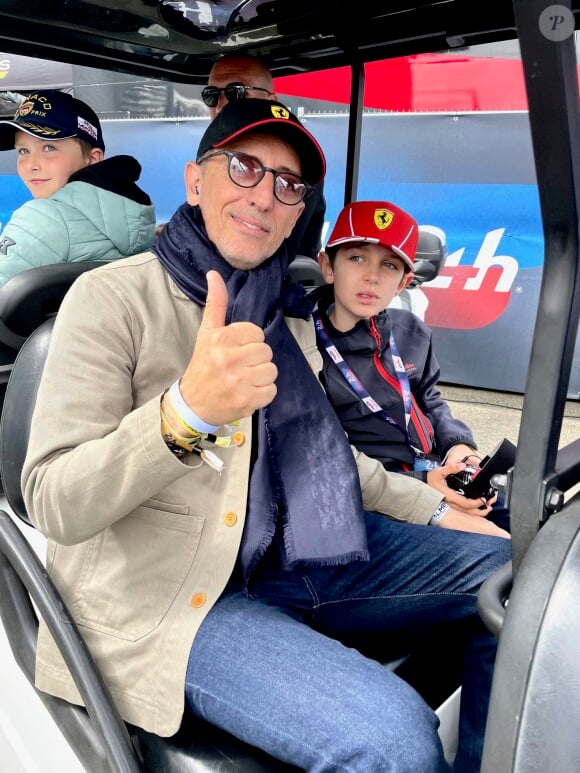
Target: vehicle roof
179 40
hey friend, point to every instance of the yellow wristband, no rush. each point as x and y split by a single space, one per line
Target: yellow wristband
170 435
194 433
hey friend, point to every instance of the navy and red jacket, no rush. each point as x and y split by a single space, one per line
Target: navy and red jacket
365 348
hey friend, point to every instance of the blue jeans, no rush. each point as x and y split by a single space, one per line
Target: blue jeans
262 667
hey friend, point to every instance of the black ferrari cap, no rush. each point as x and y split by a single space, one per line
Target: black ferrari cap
246 116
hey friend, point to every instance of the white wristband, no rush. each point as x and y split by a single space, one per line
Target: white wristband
189 417
442 508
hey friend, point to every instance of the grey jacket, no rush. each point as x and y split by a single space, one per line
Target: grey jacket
141 544
99 215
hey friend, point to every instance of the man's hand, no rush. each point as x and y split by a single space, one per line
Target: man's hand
437 479
462 521
231 373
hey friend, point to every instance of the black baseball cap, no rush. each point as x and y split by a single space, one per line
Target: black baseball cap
53 115
264 116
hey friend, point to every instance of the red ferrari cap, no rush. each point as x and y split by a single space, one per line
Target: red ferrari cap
378 222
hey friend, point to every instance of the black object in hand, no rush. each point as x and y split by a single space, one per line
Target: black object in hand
475 482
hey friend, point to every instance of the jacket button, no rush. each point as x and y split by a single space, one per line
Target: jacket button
198 600
230 519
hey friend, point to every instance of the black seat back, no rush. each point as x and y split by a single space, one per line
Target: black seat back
430 256
98 736
26 301
31 297
305 271
19 404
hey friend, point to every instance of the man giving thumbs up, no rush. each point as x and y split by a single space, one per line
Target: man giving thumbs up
217 524
231 373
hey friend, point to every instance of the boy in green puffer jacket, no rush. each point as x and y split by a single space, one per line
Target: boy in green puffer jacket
84 207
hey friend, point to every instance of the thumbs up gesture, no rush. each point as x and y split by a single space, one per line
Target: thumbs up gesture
231 372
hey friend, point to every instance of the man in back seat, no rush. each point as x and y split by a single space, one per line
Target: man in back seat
243 76
209 526
83 207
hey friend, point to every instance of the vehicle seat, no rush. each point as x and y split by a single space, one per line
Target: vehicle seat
97 734
305 271
431 254
532 726
26 301
32 296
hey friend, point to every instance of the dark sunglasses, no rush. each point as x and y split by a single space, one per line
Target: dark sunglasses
247 171
233 92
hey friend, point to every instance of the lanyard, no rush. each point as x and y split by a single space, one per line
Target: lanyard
403 380
355 383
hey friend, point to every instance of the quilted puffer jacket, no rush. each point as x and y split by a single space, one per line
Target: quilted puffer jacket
101 214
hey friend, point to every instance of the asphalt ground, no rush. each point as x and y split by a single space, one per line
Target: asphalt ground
495 415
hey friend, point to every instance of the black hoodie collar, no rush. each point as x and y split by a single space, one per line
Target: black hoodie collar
117 174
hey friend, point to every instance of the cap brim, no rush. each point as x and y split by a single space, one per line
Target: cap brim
310 153
7 134
9 129
405 258
372 240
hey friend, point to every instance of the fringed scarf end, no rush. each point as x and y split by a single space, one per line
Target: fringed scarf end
339 560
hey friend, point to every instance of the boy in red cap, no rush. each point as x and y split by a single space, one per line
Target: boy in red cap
380 371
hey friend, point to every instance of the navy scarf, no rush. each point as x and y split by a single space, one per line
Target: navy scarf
304 472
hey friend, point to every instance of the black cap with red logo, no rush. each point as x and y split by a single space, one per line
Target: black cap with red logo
246 116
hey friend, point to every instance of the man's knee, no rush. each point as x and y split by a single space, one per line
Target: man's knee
418 748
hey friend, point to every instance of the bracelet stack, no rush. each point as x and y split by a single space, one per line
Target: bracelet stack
196 431
178 444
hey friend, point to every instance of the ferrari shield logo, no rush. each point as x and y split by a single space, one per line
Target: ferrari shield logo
279 112
383 218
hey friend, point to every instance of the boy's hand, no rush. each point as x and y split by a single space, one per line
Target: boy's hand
462 452
231 372
437 479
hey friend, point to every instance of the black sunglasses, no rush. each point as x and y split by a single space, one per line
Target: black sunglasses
233 92
247 171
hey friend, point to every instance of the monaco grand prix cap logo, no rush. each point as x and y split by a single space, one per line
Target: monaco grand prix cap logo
25 108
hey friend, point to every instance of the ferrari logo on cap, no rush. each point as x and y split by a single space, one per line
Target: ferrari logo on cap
383 218
280 112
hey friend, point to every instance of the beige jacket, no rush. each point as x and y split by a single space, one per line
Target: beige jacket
141 544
